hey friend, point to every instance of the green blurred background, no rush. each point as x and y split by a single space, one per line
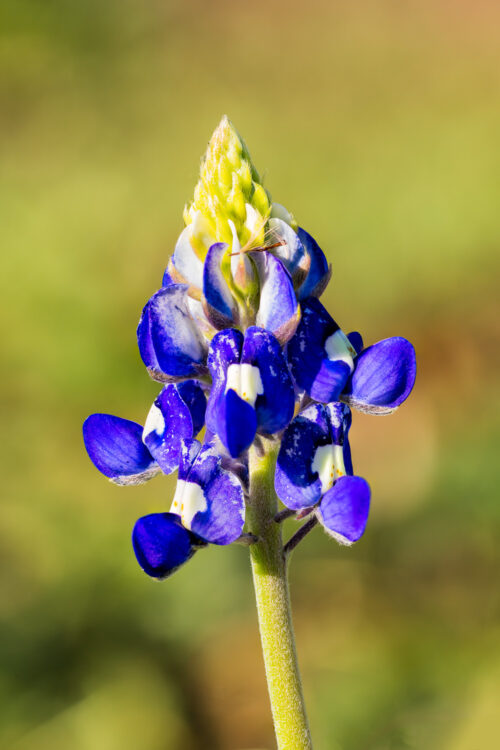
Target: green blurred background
377 124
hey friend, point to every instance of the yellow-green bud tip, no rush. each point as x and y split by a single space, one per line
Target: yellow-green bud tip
228 192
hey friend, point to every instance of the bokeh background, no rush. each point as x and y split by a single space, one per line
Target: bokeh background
377 124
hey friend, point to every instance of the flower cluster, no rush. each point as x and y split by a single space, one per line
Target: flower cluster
243 348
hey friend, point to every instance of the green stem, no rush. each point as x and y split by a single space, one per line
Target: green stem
273 604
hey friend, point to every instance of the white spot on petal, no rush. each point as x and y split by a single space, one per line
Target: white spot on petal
154 423
188 501
245 379
338 347
329 463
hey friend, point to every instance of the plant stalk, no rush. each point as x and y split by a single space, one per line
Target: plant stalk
269 570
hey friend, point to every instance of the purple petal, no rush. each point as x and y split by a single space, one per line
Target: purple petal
169 341
222 307
279 311
319 272
178 413
161 544
275 407
115 447
296 483
322 378
344 509
383 378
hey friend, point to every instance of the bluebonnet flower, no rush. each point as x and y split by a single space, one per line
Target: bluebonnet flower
330 366
314 472
208 507
243 346
128 453
251 387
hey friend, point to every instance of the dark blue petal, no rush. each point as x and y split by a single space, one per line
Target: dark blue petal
161 544
200 462
178 413
210 499
319 272
194 397
225 350
224 519
169 341
329 381
189 451
222 307
344 509
322 378
115 447
279 311
297 484
383 378
340 418
236 422
356 340
275 406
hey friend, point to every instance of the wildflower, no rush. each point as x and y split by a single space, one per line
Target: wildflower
330 366
208 507
128 453
314 472
252 390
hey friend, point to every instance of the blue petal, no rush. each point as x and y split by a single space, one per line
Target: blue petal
296 484
169 341
222 309
210 498
383 378
167 278
291 252
340 418
161 544
194 397
236 422
186 262
319 272
356 340
115 447
279 311
344 509
189 451
276 405
322 378
225 350
224 519
177 413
